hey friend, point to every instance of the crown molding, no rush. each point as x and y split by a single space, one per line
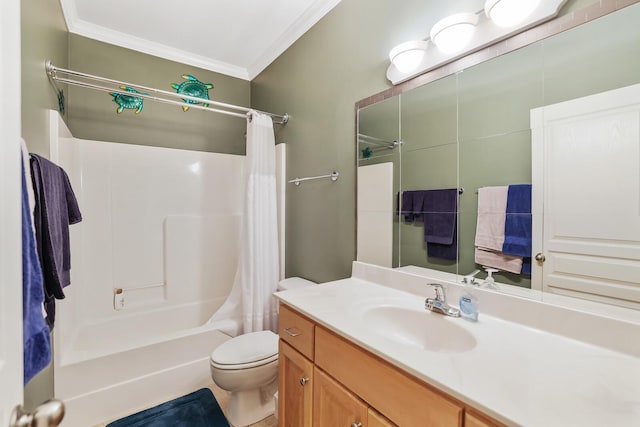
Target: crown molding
87 29
307 20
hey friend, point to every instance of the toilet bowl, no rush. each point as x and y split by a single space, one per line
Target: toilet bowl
247 367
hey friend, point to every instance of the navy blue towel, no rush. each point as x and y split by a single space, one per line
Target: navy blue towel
413 205
198 409
35 332
517 227
56 208
440 223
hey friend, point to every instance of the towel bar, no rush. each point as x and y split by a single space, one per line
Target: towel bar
333 175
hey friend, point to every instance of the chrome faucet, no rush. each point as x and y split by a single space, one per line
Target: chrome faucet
471 278
439 303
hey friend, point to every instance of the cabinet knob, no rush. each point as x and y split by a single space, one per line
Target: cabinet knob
304 380
356 424
540 257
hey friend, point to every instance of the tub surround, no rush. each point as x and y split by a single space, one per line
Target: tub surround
160 228
525 362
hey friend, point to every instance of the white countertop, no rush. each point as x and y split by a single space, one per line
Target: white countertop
517 373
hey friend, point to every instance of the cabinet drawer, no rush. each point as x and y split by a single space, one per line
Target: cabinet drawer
403 399
475 420
296 330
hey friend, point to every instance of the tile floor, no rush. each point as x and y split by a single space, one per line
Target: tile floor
222 397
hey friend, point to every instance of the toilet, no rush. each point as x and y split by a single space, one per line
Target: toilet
247 367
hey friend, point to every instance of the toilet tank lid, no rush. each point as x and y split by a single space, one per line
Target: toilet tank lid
294 283
246 348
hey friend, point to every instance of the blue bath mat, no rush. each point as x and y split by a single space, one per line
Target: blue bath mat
197 409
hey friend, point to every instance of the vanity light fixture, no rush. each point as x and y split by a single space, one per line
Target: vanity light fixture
408 55
508 13
463 33
453 33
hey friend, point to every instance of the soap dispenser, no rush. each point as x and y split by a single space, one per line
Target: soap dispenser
468 303
490 282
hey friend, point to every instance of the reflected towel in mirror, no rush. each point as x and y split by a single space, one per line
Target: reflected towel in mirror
440 223
517 227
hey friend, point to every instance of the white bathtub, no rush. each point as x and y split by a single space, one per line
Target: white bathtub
144 329
119 367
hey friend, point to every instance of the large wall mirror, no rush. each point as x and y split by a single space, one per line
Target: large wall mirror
472 130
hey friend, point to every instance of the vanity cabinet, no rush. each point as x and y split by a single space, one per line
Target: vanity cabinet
473 420
326 381
295 394
295 369
400 397
375 419
334 405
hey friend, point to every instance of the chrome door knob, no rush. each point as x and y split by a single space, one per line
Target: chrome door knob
48 414
356 424
304 380
540 257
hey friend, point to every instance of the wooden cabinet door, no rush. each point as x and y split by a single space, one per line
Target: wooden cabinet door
376 419
334 405
295 388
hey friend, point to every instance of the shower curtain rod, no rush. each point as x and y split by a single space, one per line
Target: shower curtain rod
53 71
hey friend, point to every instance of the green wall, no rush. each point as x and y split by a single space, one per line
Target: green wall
92 114
339 61
317 81
44 36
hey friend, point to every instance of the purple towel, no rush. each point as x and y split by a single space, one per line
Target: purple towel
517 226
440 223
56 208
35 332
413 205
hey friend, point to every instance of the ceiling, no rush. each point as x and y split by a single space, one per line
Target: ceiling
239 38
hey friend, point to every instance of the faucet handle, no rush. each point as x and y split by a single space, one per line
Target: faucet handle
440 292
471 278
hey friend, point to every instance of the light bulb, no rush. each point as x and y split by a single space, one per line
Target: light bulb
508 13
407 56
454 32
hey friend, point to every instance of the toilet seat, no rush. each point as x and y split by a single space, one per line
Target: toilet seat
246 351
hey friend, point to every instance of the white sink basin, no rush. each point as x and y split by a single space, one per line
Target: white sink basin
419 328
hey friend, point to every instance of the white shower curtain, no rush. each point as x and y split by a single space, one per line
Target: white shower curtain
250 302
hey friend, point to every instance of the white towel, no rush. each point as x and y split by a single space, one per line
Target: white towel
492 208
489 258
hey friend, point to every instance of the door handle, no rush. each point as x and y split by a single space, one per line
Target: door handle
48 414
540 257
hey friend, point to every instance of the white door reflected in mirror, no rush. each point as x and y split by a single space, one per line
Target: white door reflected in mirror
589 229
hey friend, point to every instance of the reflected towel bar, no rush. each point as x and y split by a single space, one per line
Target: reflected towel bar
333 175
